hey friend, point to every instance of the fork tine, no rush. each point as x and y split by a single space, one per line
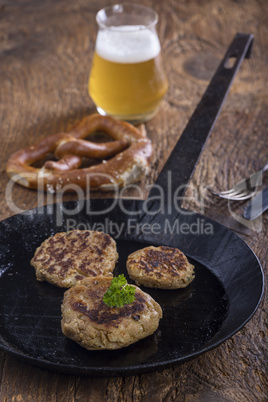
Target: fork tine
239 188
246 197
231 192
225 192
239 196
216 192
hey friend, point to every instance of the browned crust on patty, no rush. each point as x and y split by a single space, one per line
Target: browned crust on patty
90 322
160 267
66 258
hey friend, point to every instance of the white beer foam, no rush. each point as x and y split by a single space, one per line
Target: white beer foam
127 44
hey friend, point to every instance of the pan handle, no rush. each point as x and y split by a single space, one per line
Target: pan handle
181 163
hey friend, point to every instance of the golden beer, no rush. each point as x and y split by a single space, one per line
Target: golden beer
127 79
127 89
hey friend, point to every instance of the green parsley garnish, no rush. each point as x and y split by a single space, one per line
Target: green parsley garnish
119 293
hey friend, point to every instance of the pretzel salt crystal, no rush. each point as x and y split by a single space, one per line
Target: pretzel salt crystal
128 166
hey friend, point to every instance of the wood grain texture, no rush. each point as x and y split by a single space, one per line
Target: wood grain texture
46 49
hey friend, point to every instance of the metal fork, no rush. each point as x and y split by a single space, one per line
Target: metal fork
245 189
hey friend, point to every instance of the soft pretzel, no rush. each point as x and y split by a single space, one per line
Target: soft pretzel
128 158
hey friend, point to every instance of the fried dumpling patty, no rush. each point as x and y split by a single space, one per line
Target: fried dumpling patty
66 258
160 267
87 320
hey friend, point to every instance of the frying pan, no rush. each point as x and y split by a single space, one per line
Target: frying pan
224 295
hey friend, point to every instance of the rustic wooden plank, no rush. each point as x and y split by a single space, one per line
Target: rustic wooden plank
45 55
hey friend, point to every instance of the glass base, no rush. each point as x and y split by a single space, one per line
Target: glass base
133 119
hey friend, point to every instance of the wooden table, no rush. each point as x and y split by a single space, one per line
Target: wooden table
46 49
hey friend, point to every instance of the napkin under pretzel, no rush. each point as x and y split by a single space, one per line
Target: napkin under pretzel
122 161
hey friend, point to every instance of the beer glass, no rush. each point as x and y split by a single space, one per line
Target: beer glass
127 79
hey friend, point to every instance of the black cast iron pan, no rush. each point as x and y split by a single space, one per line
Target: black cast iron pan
224 295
